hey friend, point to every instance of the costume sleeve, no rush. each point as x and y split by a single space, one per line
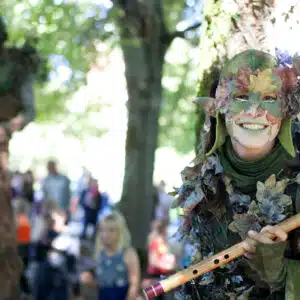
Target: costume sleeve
271 264
27 96
292 283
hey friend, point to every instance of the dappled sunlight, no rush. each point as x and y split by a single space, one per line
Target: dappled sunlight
108 151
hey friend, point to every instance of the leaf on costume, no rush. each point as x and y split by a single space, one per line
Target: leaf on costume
260 188
174 192
177 201
269 208
263 83
208 104
193 199
296 62
218 167
285 200
281 186
209 180
253 209
240 198
274 209
298 178
288 78
198 160
243 223
270 182
242 81
228 185
207 278
189 174
222 94
212 163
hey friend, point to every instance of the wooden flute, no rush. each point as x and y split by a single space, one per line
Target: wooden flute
211 263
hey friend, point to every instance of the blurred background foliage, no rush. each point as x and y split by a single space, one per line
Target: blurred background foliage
67 36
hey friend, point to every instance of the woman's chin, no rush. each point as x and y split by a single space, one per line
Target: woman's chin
252 143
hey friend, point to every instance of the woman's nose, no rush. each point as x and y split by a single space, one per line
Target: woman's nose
255 111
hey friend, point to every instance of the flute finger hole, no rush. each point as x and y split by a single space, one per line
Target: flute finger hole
226 256
195 272
216 261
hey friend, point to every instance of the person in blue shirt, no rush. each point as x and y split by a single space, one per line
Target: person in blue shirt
56 187
117 274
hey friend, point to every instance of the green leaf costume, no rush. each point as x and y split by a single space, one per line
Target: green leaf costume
224 196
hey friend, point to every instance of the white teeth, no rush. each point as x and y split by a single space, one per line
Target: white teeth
253 126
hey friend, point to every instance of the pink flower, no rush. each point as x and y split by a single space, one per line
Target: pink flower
242 81
222 95
288 77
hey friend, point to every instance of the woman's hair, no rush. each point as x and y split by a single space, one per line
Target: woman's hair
124 238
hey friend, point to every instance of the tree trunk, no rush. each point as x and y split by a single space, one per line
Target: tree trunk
141 30
230 27
10 262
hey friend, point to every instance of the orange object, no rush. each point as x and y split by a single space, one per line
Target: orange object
23 230
160 260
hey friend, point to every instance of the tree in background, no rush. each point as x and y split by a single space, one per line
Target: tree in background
18 68
145 38
67 35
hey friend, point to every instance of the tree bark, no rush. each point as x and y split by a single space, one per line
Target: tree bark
10 262
144 45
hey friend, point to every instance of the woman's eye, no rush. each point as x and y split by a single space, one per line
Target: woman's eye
242 97
269 98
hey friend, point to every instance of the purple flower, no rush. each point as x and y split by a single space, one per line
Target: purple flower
284 58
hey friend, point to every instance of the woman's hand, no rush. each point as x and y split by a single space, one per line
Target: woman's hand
275 234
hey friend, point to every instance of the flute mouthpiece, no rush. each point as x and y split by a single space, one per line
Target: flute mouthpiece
153 291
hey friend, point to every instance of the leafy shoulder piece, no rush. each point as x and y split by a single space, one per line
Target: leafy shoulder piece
198 181
242 223
272 205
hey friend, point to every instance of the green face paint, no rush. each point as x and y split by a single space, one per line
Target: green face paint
271 106
248 88
239 105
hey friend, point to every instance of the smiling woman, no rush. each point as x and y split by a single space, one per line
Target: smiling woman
244 181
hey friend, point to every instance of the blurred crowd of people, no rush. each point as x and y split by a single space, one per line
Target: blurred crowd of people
72 241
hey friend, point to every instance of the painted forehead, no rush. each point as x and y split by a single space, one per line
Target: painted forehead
268 81
264 83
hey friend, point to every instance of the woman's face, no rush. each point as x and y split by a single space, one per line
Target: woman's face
254 108
254 127
109 233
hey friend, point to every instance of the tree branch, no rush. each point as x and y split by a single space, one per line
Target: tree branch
169 37
181 34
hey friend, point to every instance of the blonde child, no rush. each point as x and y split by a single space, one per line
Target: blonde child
117 274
